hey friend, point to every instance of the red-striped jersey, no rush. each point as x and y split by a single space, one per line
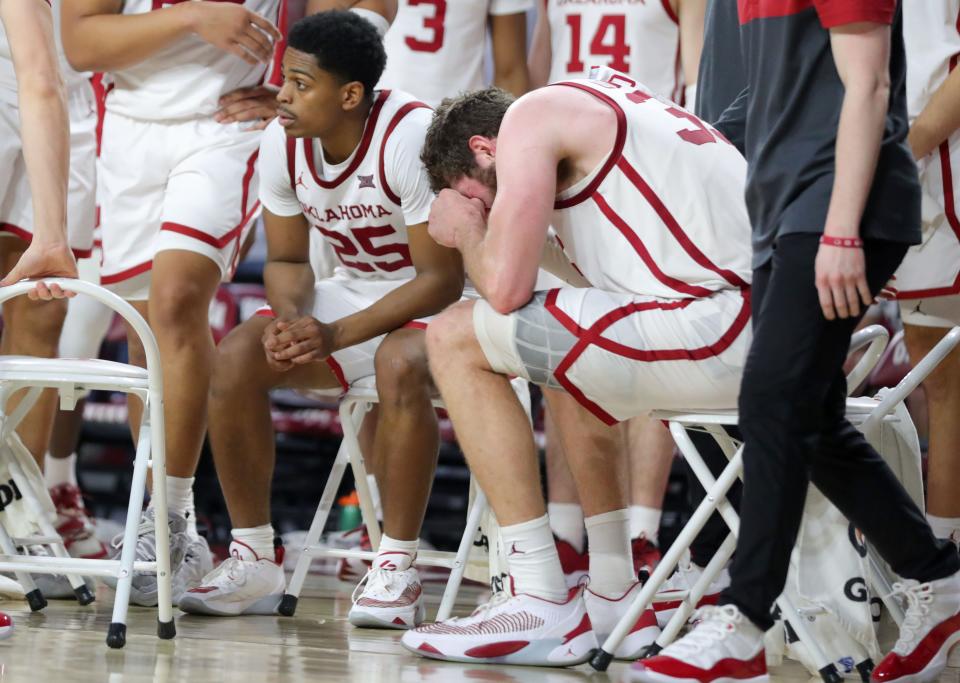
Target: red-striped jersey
640 38
186 79
362 206
931 36
664 214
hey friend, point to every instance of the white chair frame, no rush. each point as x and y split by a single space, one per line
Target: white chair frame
72 378
353 406
865 413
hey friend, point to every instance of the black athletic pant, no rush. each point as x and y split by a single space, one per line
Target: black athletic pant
792 401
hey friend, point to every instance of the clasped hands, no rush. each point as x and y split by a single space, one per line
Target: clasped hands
297 341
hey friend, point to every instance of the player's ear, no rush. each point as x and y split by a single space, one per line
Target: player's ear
482 146
351 95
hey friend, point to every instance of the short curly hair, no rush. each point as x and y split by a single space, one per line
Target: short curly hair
446 152
343 43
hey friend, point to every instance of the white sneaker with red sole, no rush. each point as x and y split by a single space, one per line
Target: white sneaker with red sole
388 598
511 629
6 626
74 524
930 628
605 613
723 647
671 594
244 583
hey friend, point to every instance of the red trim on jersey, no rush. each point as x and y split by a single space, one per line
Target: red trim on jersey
831 13
360 153
614 153
247 177
337 372
594 336
397 118
628 233
27 237
949 209
276 67
670 13
126 274
674 227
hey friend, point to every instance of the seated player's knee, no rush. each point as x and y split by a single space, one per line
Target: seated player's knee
240 363
401 365
448 330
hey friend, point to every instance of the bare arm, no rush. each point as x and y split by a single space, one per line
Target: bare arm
540 50
96 37
44 124
861 53
939 119
691 14
508 33
287 275
386 8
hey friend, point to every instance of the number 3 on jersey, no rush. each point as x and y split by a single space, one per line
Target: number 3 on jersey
433 23
601 45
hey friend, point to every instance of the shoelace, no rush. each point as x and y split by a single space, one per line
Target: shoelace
376 580
714 625
919 597
230 571
483 610
146 539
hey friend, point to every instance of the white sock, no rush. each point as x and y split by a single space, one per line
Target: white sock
945 527
611 559
375 496
396 555
532 559
259 539
645 522
566 522
58 471
180 501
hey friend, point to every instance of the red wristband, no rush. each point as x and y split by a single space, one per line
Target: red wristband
846 242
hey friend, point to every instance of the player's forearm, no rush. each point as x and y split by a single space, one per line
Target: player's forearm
427 294
859 133
290 288
110 42
45 129
939 119
506 289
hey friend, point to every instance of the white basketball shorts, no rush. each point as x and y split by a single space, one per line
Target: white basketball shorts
189 185
928 280
16 205
343 295
622 355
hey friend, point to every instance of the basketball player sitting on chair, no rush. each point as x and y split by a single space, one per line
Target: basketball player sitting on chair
343 159
648 203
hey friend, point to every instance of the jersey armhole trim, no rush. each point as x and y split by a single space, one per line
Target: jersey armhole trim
670 13
615 153
397 118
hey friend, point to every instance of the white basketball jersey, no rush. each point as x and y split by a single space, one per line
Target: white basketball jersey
664 214
363 206
931 36
185 79
435 47
8 79
640 38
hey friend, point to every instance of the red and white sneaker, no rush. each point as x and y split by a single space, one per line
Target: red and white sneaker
674 589
388 598
605 613
511 629
723 647
575 565
74 524
6 626
646 557
930 628
353 569
244 583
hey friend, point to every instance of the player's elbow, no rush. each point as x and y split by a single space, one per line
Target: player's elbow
505 300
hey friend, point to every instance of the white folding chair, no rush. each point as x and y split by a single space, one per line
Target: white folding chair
72 378
865 413
353 406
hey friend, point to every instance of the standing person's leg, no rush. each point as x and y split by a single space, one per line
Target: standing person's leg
943 406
